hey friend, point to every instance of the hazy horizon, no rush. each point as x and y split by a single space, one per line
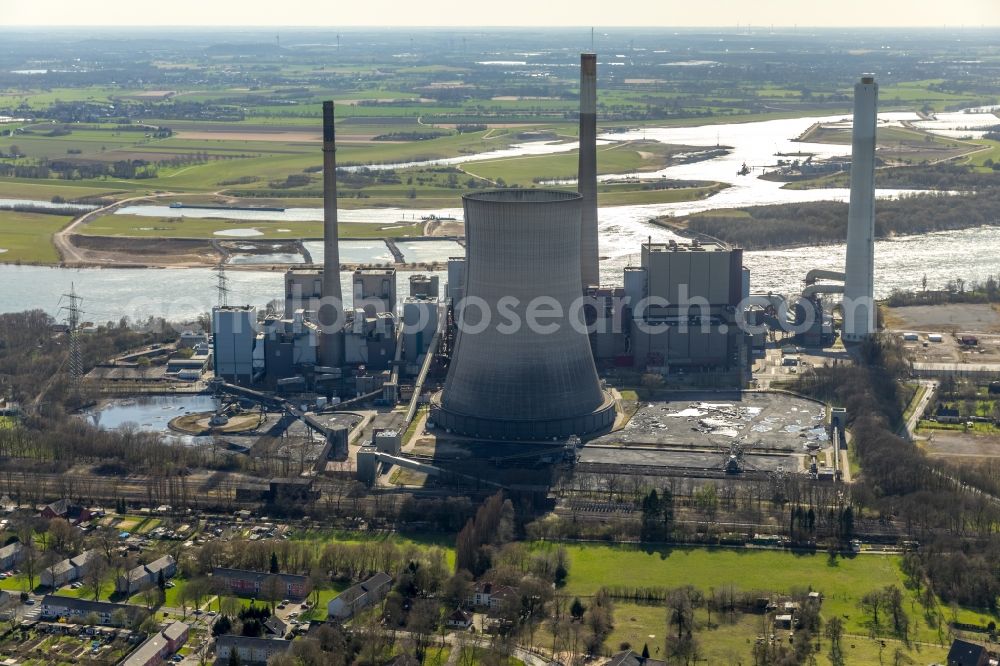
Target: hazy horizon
515 13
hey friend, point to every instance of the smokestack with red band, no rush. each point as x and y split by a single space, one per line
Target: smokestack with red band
587 175
330 313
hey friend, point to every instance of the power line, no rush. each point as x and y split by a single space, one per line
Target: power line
222 285
73 316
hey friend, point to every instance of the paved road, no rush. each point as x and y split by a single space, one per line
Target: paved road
71 255
909 428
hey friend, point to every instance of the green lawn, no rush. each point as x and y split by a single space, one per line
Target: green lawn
27 237
730 640
44 190
842 582
87 592
141 226
616 158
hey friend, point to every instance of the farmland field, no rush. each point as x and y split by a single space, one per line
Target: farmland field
27 237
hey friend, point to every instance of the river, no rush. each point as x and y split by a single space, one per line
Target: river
900 263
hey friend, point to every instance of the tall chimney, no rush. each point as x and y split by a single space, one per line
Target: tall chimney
587 174
859 283
331 312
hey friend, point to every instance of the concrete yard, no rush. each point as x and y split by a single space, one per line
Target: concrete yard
778 422
953 317
648 457
960 447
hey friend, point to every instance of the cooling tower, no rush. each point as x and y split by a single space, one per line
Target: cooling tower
859 282
587 173
507 378
331 341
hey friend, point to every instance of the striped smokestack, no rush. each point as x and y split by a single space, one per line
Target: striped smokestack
331 341
587 175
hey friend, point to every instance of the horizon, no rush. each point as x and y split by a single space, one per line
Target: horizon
516 13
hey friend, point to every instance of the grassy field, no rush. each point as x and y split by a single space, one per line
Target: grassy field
141 226
27 237
730 640
842 581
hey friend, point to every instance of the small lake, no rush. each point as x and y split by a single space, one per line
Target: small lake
151 413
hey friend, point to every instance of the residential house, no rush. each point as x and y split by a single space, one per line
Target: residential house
64 508
250 650
58 574
458 619
964 653
68 570
359 596
245 583
74 610
488 595
11 555
631 658
146 575
158 647
276 626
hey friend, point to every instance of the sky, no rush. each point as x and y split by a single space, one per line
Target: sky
603 13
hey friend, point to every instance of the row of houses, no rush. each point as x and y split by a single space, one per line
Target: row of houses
11 555
68 570
243 583
158 647
249 650
146 575
358 597
105 613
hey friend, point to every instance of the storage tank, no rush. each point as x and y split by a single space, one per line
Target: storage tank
522 382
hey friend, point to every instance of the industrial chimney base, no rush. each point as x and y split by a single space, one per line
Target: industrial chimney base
507 429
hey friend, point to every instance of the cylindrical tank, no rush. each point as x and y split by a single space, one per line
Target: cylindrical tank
509 379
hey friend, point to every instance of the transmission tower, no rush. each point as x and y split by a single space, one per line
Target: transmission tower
74 311
222 286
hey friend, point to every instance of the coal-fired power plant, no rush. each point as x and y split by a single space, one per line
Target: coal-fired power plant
330 312
509 378
587 172
859 282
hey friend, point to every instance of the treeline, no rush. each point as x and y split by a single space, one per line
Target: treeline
955 291
410 136
944 176
32 357
949 508
80 170
825 222
47 210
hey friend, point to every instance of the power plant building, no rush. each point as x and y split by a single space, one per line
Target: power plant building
683 300
234 341
303 290
375 290
522 381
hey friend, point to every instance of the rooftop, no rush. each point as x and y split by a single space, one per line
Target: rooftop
522 196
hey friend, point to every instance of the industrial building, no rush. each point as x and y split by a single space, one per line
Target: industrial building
375 290
234 339
303 290
522 384
683 300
